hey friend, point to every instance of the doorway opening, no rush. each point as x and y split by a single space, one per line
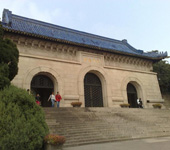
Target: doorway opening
132 95
42 85
93 91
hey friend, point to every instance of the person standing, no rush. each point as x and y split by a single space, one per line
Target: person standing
37 98
138 103
52 97
141 103
58 98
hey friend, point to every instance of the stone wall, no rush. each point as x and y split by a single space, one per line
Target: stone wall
67 66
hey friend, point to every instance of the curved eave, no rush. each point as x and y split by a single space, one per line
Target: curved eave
82 45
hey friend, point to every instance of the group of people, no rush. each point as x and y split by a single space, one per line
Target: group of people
139 103
55 98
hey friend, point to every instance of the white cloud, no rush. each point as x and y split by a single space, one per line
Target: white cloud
37 13
108 30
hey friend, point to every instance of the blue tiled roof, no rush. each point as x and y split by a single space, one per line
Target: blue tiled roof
34 27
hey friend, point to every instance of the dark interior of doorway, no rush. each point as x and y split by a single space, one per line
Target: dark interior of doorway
93 91
44 95
132 100
132 95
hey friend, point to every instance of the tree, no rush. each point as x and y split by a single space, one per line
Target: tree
4 73
162 68
8 60
22 121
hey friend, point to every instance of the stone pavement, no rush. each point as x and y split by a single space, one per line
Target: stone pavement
161 143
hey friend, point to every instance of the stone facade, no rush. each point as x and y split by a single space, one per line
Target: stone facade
66 65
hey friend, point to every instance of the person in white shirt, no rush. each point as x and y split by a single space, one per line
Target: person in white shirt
138 103
52 97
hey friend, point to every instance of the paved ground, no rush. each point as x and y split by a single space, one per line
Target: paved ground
142 144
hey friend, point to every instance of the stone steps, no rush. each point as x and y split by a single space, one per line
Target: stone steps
92 141
94 125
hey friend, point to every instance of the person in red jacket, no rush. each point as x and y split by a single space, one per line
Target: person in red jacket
58 98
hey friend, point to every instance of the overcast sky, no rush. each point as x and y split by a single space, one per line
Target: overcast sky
144 23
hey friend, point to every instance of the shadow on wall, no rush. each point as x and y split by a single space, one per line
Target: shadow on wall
166 97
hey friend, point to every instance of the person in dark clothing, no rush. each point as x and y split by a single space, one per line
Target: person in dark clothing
140 103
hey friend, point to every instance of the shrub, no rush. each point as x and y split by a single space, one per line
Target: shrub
54 139
22 121
124 105
76 104
157 105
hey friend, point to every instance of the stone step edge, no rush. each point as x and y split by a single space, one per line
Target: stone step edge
111 140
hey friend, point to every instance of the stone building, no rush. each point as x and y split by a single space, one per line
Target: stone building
95 70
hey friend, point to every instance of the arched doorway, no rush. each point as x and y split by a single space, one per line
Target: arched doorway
43 86
132 95
93 91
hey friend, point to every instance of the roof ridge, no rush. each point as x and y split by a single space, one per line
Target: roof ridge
24 25
66 28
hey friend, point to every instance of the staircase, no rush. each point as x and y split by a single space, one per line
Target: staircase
96 125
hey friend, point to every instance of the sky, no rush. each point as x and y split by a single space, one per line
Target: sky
144 23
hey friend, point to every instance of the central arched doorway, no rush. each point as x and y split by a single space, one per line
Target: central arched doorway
132 95
93 91
42 85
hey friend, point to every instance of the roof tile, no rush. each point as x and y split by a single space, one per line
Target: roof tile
35 27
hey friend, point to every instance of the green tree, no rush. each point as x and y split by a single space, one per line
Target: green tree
4 73
9 56
162 68
22 121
